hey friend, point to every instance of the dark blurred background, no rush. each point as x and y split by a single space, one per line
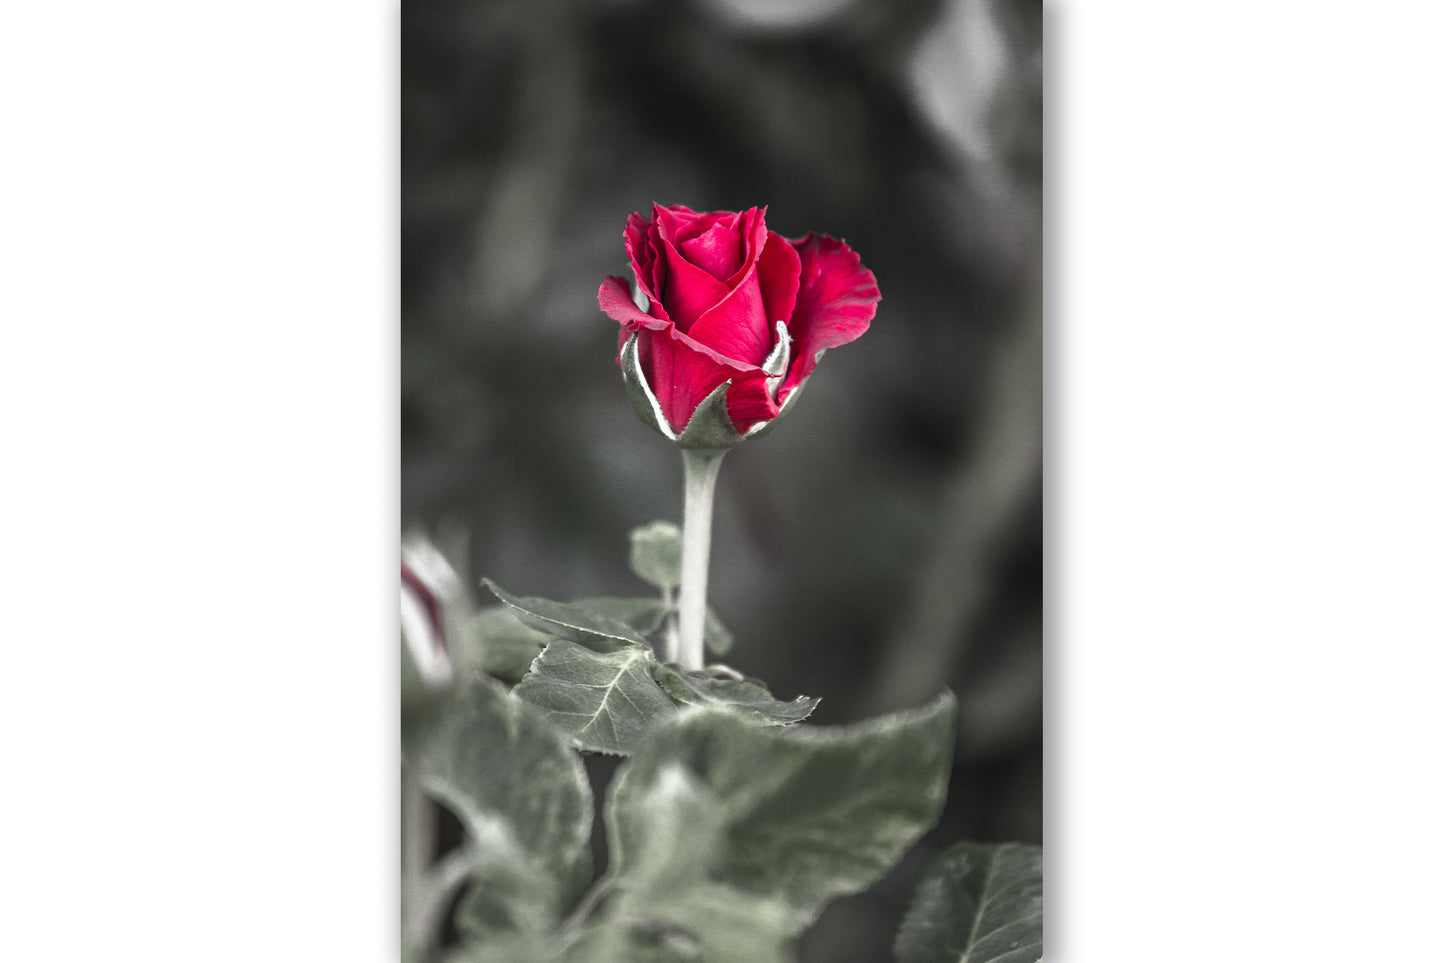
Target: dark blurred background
885 541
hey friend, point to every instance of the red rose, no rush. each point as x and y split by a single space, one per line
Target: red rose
728 301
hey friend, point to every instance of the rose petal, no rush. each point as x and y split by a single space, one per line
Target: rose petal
641 254
778 270
689 291
614 297
738 326
718 251
749 401
680 376
677 223
750 227
837 298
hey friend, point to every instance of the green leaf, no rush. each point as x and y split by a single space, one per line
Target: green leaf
710 923
495 642
977 904
668 813
715 635
642 615
744 696
603 700
569 621
521 949
666 907
806 815
614 942
523 796
656 555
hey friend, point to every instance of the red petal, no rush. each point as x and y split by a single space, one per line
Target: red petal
676 223
680 376
754 233
614 297
718 251
778 277
689 290
738 326
837 298
749 401
641 254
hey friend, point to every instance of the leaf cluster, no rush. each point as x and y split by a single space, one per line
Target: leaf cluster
591 664
729 825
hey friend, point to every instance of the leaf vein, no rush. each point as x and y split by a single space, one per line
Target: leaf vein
612 686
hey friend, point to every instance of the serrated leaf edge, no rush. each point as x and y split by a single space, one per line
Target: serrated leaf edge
575 741
501 594
738 708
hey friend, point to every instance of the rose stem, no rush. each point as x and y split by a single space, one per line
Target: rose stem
699 479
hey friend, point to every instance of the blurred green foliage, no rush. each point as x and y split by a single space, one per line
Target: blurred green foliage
886 540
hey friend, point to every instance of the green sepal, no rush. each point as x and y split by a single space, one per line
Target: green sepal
763 427
711 428
639 392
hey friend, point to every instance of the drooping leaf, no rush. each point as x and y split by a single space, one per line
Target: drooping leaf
570 621
523 797
495 642
807 815
642 615
603 700
656 554
977 903
744 696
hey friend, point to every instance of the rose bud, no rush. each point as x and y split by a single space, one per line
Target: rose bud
728 319
431 595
